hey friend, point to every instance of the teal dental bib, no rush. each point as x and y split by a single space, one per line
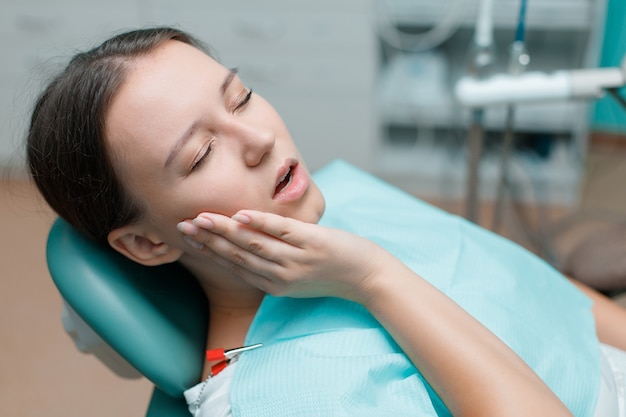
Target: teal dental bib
330 357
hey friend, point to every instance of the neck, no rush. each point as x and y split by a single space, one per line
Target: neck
233 303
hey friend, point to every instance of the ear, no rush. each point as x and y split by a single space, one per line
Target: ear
142 247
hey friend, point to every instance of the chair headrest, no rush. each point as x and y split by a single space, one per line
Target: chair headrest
154 317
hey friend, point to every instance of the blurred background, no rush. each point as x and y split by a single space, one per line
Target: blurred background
372 82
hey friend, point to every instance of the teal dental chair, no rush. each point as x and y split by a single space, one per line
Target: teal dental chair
153 320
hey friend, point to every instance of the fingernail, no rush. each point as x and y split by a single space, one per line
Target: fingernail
203 223
187 228
193 243
241 218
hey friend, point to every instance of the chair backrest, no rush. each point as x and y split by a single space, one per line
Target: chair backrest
154 317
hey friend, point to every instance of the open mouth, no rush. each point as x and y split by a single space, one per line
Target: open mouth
284 181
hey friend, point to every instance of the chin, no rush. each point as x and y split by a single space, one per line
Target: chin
320 212
313 206
315 210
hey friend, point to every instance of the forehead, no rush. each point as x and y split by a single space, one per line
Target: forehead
171 66
160 97
168 78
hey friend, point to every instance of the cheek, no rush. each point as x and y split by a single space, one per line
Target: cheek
215 197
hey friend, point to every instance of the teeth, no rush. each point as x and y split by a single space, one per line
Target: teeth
288 182
282 184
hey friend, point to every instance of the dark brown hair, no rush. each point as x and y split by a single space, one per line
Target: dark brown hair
66 151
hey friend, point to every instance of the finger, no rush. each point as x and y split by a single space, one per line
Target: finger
286 229
230 256
219 233
256 271
250 269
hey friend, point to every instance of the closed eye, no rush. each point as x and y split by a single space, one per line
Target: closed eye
243 101
203 157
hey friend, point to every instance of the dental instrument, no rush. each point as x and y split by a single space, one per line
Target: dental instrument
518 61
226 356
481 59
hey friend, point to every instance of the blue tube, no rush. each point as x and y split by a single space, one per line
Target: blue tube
521 29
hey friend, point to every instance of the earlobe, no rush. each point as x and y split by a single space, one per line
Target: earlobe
142 248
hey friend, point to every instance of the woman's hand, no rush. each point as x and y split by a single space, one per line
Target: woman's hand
283 256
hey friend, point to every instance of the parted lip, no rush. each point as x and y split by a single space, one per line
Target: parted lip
292 182
287 166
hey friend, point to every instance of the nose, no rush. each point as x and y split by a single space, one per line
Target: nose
255 141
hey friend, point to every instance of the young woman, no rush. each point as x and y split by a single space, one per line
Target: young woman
150 145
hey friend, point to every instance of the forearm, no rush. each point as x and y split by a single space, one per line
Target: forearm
472 370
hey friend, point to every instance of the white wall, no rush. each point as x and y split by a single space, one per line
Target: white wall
315 61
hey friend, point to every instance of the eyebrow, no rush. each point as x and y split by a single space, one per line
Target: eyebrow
180 143
229 78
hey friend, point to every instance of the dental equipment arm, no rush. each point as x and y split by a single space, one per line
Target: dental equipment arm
538 86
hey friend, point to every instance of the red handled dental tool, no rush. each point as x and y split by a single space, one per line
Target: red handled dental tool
226 356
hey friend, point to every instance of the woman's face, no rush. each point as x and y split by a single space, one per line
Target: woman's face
187 136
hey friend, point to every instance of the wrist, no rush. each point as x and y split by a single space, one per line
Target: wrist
385 272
